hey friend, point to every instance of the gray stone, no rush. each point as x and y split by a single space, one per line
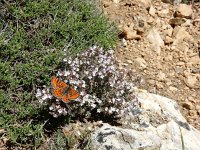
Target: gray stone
159 126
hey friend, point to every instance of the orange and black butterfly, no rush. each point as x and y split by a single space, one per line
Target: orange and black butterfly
63 91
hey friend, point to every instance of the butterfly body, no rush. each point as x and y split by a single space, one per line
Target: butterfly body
63 91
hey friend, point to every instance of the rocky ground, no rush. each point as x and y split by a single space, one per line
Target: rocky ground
160 40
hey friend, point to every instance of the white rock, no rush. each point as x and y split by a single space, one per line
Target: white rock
173 132
192 81
172 88
129 61
141 62
168 40
161 76
106 3
124 42
147 3
177 2
187 23
163 13
116 1
152 11
195 60
184 10
130 34
155 38
168 32
180 33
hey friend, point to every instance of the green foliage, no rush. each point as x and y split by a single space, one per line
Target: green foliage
59 141
70 141
33 35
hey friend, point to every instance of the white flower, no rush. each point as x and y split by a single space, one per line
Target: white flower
113 100
102 76
39 93
55 115
93 105
69 61
118 94
123 102
41 101
112 67
111 51
76 60
60 73
86 72
44 91
66 73
106 108
109 111
78 132
74 73
94 73
85 98
57 106
113 109
99 101
111 84
49 96
60 111
64 112
94 47
75 87
83 85
118 99
100 73
98 110
72 82
77 69
51 108
122 91
65 59
100 60
82 93
45 96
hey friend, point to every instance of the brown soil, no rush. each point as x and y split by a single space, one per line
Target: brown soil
170 65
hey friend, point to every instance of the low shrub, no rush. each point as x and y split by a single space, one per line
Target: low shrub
104 88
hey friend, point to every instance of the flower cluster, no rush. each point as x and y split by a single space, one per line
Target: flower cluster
103 87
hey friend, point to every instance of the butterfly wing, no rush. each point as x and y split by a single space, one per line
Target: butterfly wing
73 94
58 84
59 87
54 81
63 91
65 99
57 93
70 95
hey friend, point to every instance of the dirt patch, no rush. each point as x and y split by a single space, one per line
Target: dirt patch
161 42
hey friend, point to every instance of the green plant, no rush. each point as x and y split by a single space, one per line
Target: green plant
58 141
33 35
73 138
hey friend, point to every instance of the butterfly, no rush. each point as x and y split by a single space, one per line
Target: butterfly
63 91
